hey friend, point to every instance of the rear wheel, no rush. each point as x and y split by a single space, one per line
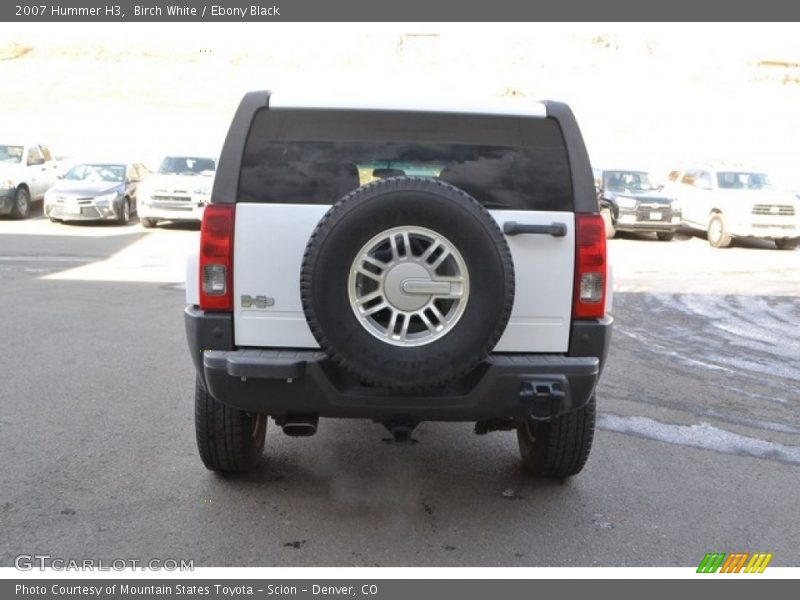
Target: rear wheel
787 243
147 223
718 235
557 448
229 440
22 204
608 220
665 236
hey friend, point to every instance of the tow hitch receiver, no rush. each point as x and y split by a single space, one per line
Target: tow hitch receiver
401 434
543 398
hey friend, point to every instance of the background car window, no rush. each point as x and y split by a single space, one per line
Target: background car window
689 177
11 154
46 153
629 181
34 155
703 180
96 172
742 180
186 165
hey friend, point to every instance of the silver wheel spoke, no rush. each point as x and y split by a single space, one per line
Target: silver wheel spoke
395 252
392 324
407 245
431 327
431 249
368 273
371 296
406 323
440 259
436 313
374 309
374 261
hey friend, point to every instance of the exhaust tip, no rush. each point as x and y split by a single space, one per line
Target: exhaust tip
299 426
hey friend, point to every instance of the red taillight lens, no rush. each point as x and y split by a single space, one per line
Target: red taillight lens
216 257
590 267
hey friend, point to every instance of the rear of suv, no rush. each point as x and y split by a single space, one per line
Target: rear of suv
400 264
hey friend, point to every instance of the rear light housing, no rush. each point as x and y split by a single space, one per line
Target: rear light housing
591 266
216 258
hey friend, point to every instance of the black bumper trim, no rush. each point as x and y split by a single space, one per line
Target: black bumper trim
310 384
282 382
207 331
592 338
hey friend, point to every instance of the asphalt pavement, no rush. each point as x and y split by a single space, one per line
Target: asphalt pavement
697 448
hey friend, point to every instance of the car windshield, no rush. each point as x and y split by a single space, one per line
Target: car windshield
743 180
629 181
96 172
11 154
187 165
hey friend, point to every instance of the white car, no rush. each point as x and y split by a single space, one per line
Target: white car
179 191
731 202
26 172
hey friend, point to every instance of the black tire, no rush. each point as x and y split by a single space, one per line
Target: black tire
558 448
787 243
229 440
22 204
148 223
718 236
407 202
665 236
124 216
608 220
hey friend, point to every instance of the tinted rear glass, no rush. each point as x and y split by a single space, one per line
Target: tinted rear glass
316 156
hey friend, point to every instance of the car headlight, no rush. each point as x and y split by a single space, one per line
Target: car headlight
625 202
7 185
105 199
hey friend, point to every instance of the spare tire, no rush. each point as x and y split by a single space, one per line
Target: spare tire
407 283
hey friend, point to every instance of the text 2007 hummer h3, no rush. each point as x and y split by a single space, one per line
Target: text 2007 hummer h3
400 264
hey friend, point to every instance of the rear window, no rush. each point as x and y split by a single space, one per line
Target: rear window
317 156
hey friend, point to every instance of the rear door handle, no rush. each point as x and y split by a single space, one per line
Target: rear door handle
554 229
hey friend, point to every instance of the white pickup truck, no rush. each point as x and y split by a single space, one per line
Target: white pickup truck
26 172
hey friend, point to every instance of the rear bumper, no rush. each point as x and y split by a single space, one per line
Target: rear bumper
290 382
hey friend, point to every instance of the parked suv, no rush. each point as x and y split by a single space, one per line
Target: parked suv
730 202
400 264
631 200
179 191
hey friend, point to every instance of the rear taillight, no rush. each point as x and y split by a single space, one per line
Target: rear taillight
590 267
216 258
